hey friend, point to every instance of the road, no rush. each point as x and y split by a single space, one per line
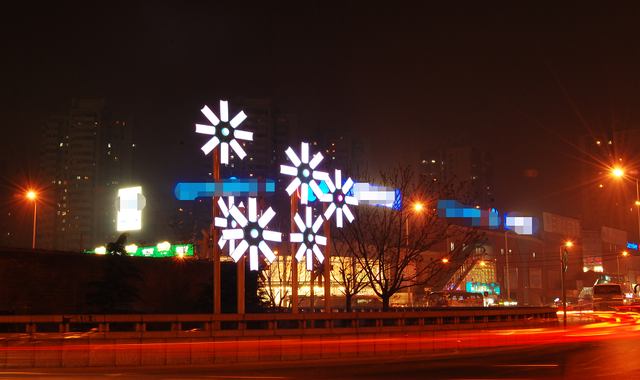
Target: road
604 359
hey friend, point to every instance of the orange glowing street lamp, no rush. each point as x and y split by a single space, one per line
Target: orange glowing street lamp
31 195
620 173
623 254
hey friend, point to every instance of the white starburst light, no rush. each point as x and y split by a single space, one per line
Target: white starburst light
308 238
253 234
224 132
304 173
226 221
339 199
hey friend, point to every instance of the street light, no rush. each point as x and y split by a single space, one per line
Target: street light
506 252
620 173
31 195
416 207
624 253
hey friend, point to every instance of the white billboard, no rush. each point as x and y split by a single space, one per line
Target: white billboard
129 204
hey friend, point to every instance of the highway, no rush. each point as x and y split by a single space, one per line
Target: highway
603 350
603 359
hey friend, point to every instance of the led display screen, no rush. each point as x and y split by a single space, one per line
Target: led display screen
180 250
129 204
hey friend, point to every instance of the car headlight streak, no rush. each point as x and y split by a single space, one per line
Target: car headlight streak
224 132
252 233
308 238
304 173
339 199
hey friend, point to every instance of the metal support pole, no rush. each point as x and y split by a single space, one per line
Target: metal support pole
312 291
240 285
409 297
327 265
35 204
564 294
506 253
216 236
294 262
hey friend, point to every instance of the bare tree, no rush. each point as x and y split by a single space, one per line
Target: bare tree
391 245
277 281
348 273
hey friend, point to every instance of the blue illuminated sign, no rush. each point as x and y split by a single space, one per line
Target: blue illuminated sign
481 287
632 246
186 191
467 215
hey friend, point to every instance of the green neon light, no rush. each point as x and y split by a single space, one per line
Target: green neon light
175 250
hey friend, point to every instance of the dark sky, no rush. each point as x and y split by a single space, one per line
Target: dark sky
520 80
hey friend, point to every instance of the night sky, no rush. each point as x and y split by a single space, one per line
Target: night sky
520 80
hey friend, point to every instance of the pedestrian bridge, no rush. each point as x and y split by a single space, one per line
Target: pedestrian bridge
151 340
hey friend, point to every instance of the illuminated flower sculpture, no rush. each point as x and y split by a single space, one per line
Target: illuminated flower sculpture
304 172
224 132
252 233
308 238
339 199
226 222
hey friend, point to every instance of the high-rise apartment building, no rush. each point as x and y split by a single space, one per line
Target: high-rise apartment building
463 163
342 150
85 156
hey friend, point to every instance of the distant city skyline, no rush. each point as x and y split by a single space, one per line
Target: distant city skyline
519 81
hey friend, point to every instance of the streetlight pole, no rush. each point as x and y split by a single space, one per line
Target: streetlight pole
32 196
563 253
416 207
506 253
35 205
618 261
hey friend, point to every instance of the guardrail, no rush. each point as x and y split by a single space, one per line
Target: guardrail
177 325
143 340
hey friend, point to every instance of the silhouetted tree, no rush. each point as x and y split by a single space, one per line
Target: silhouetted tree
115 292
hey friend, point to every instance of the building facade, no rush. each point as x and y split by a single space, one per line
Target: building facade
85 157
462 163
